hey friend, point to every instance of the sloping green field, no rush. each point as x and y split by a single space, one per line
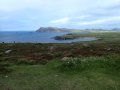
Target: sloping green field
86 65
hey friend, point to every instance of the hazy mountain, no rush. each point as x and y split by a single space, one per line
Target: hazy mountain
116 29
53 29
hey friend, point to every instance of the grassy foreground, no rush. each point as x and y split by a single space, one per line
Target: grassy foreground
77 66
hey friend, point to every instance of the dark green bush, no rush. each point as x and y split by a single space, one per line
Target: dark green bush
1 53
4 68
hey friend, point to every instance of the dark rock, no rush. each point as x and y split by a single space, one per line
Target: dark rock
64 38
59 38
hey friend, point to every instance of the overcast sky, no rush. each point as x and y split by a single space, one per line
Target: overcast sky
32 14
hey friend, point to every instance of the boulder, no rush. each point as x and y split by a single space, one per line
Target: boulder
52 48
8 51
85 45
65 58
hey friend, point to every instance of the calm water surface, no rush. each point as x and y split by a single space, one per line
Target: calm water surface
36 37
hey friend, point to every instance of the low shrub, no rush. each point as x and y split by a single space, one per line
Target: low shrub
107 64
25 61
70 64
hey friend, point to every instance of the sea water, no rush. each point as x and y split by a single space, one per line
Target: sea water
36 37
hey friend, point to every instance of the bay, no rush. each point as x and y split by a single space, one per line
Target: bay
36 37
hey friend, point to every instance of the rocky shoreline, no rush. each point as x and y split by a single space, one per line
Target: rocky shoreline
69 36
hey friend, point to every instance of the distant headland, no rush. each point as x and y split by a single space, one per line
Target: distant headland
56 29
53 29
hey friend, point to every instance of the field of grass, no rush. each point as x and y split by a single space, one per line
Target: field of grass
88 65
